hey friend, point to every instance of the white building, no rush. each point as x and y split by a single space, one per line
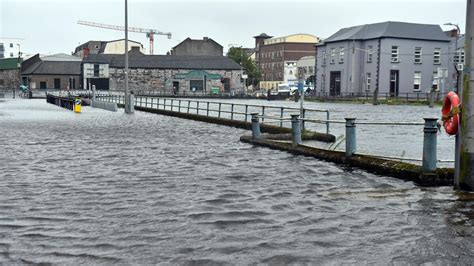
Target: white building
10 47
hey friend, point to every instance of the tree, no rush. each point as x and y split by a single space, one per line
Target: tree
239 55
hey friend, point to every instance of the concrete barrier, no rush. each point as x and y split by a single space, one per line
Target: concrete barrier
105 105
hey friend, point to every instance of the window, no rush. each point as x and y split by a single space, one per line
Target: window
311 70
11 54
11 45
418 52
417 81
437 56
459 56
333 55
324 58
96 70
370 52
368 81
341 55
394 55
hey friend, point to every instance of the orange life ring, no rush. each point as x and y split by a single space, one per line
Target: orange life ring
450 113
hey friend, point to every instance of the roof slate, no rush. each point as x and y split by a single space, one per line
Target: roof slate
390 29
54 68
165 61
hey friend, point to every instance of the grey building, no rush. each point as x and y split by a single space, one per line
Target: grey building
60 71
162 72
391 58
206 46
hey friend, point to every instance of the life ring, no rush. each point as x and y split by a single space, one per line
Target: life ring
450 113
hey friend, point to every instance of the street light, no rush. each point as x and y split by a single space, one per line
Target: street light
458 31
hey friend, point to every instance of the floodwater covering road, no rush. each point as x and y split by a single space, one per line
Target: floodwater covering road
103 187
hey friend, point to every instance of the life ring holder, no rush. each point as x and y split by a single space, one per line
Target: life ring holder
450 113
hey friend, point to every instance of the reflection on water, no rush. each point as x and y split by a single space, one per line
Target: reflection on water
102 187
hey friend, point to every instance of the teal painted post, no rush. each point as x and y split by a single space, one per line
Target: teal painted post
429 145
295 130
350 136
255 126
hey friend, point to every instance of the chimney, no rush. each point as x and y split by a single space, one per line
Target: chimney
85 52
205 39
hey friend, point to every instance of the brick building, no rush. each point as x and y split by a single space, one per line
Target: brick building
277 57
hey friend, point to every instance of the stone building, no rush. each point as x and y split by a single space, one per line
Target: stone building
162 72
206 46
276 57
105 47
9 73
58 71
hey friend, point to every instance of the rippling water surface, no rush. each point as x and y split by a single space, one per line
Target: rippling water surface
102 187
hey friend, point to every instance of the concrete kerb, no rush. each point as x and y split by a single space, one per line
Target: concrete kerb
110 106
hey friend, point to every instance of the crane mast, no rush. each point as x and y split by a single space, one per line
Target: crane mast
149 32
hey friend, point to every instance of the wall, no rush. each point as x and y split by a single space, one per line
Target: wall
406 66
162 79
118 47
11 79
34 81
198 47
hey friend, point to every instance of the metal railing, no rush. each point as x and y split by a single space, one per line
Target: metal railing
232 111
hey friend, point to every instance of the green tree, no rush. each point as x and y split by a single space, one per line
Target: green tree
250 68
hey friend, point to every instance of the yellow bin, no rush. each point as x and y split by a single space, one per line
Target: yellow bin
77 105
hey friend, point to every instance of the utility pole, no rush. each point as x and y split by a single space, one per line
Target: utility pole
127 102
465 179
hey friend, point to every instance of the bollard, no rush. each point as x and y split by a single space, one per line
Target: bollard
131 103
429 145
350 136
77 105
295 130
255 126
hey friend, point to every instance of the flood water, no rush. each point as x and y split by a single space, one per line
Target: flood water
107 188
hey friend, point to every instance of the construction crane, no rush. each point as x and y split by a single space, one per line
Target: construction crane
149 32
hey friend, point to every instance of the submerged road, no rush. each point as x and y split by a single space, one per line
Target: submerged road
103 187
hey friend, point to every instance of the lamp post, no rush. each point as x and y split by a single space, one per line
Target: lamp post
127 102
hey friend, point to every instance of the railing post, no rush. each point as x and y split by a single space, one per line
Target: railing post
429 145
255 126
302 121
327 121
263 113
207 109
146 101
219 113
281 116
179 106
232 112
164 104
246 111
350 136
295 130
197 108
172 103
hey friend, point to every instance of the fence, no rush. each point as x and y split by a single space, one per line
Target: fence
232 111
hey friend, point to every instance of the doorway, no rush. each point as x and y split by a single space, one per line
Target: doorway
394 83
57 83
335 83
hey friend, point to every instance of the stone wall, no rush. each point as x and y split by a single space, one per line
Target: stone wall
9 79
163 79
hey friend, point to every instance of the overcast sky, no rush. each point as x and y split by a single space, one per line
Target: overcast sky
51 26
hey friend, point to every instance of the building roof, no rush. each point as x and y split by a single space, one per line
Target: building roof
139 60
102 44
205 39
9 63
293 38
390 29
60 57
263 35
39 66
